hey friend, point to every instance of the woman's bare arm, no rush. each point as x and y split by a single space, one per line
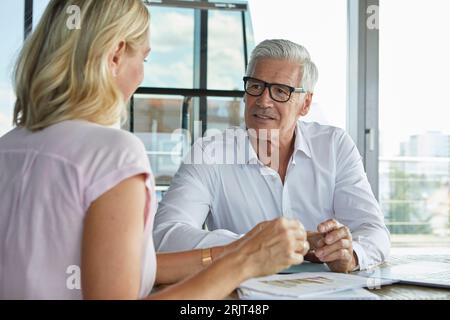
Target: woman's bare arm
112 244
176 266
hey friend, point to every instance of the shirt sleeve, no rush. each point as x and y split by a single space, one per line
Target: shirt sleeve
183 210
120 160
356 207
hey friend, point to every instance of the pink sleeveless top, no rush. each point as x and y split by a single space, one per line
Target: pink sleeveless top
48 180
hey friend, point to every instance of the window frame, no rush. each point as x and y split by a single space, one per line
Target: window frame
200 58
28 18
363 87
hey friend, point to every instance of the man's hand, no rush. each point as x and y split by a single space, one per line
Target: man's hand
316 241
332 244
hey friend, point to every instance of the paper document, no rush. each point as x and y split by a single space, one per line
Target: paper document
310 284
354 294
425 273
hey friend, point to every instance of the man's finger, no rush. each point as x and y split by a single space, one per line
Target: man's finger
296 258
327 250
305 247
341 254
299 234
336 235
328 226
290 223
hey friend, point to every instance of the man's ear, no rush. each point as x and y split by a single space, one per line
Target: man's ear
115 58
306 104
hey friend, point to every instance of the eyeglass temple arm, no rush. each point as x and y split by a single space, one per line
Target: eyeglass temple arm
301 90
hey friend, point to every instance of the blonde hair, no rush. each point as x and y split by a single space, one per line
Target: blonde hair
63 73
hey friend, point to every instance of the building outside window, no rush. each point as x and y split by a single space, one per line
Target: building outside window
414 174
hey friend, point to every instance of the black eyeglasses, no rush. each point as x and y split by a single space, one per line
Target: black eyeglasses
278 92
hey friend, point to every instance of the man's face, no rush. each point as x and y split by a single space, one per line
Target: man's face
265 113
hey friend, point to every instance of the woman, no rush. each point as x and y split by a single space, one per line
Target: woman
78 195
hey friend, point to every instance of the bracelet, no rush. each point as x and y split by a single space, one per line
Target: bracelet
206 257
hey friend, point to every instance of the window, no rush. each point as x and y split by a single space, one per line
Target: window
226 59
12 20
224 113
320 26
38 10
171 62
157 122
193 79
414 164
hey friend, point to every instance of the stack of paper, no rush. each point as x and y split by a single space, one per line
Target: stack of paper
310 285
355 294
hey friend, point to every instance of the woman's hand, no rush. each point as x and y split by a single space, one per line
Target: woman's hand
272 246
267 249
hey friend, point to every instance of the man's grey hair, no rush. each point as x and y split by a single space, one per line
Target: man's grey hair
286 50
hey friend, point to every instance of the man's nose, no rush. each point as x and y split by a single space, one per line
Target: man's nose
265 100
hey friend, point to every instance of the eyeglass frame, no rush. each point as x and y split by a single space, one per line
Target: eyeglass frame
269 85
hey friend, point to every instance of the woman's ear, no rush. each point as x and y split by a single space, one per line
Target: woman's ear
115 58
304 110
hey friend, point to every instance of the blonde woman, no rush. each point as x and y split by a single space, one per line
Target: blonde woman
77 197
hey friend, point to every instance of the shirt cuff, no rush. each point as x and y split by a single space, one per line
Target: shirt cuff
362 257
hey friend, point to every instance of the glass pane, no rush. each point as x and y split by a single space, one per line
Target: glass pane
414 131
171 62
224 113
12 28
226 60
157 122
38 10
249 34
320 26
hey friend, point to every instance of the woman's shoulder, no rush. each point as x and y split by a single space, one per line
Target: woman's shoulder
98 137
89 145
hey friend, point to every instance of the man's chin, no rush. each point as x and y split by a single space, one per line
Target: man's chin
263 125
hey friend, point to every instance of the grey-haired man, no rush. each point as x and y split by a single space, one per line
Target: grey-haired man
280 166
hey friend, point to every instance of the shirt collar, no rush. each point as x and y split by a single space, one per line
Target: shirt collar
244 147
300 144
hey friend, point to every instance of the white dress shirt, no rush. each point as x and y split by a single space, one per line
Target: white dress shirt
325 180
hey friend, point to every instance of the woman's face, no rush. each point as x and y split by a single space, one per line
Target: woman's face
129 72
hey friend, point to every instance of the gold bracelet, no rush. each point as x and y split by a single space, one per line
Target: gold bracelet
206 257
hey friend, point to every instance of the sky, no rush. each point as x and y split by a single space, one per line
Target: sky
414 69
414 64
414 60
321 27
11 31
11 35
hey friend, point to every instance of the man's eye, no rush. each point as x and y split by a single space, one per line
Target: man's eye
281 91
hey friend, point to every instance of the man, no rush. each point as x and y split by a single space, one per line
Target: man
277 166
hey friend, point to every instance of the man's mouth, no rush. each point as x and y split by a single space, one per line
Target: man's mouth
263 117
